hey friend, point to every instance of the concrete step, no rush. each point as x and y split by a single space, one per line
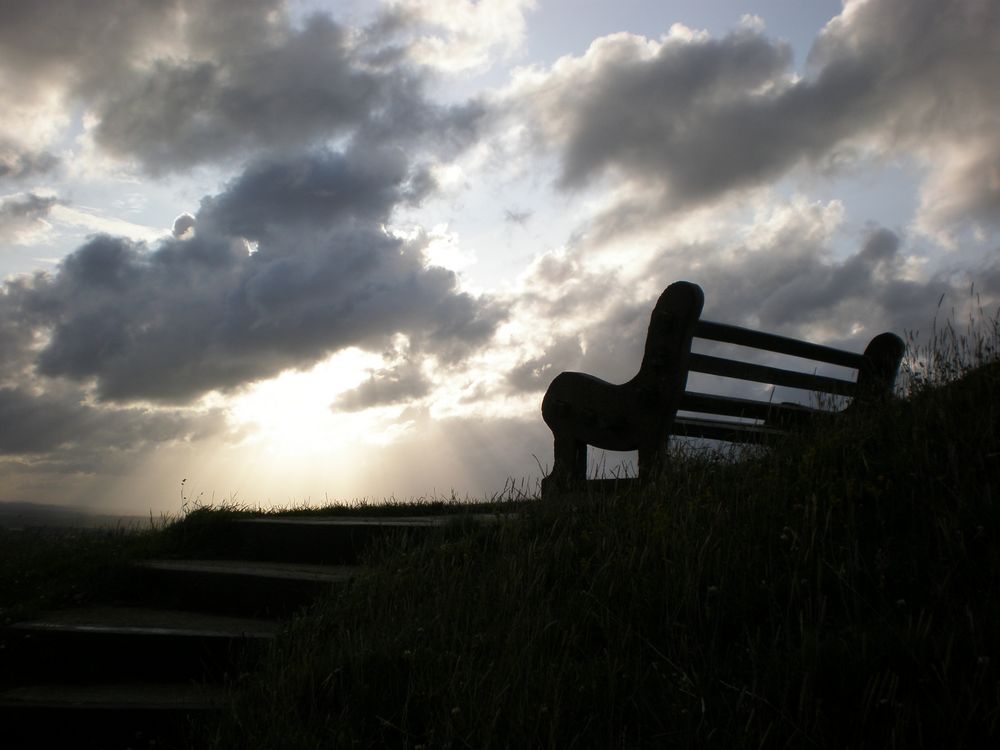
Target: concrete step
247 587
335 539
102 644
107 716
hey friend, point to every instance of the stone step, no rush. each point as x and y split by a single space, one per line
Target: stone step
107 716
101 644
137 676
248 587
335 539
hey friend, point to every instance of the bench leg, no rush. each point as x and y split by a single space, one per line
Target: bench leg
569 467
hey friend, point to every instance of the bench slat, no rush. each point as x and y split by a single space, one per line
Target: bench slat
716 429
729 368
730 334
730 406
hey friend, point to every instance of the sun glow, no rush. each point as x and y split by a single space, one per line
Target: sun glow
290 415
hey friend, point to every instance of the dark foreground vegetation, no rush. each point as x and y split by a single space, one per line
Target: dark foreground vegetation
839 590
836 590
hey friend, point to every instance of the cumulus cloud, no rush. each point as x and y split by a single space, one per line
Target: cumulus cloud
392 385
282 89
183 225
314 189
174 85
23 215
55 426
288 263
782 276
17 162
189 316
59 52
693 118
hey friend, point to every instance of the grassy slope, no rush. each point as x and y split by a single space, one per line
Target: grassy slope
45 568
838 591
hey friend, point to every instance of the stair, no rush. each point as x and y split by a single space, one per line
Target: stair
143 673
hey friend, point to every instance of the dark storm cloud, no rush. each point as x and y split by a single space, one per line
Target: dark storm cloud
313 189
182 320
295 88
203 313
698 117
23 212
280 91
54 426
17 334
393 385
645 115
171 85
61 420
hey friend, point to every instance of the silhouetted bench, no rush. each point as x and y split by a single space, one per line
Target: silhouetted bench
641 414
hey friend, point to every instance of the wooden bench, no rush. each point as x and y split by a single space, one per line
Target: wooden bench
641 414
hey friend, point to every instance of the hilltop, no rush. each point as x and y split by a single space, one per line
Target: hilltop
835 590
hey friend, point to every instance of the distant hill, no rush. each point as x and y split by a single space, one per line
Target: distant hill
20 515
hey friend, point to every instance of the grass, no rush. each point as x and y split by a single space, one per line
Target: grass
839 590
47 568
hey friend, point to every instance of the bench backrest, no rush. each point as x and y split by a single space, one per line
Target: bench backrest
656 404
876 370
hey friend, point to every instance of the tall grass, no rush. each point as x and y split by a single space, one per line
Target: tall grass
837 590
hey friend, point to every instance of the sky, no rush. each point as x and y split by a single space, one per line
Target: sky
288 253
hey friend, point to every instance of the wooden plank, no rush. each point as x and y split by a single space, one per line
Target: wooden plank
729 368
256 569
730 406
717 429
730 334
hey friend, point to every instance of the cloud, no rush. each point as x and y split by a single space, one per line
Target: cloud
780 274
402 383
535 373
688 118
60 420
931 91
170 86
58 52
183 225
321 188
19 163
192 315
518 217
55 426
458 35
282 89
655 111
22 216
